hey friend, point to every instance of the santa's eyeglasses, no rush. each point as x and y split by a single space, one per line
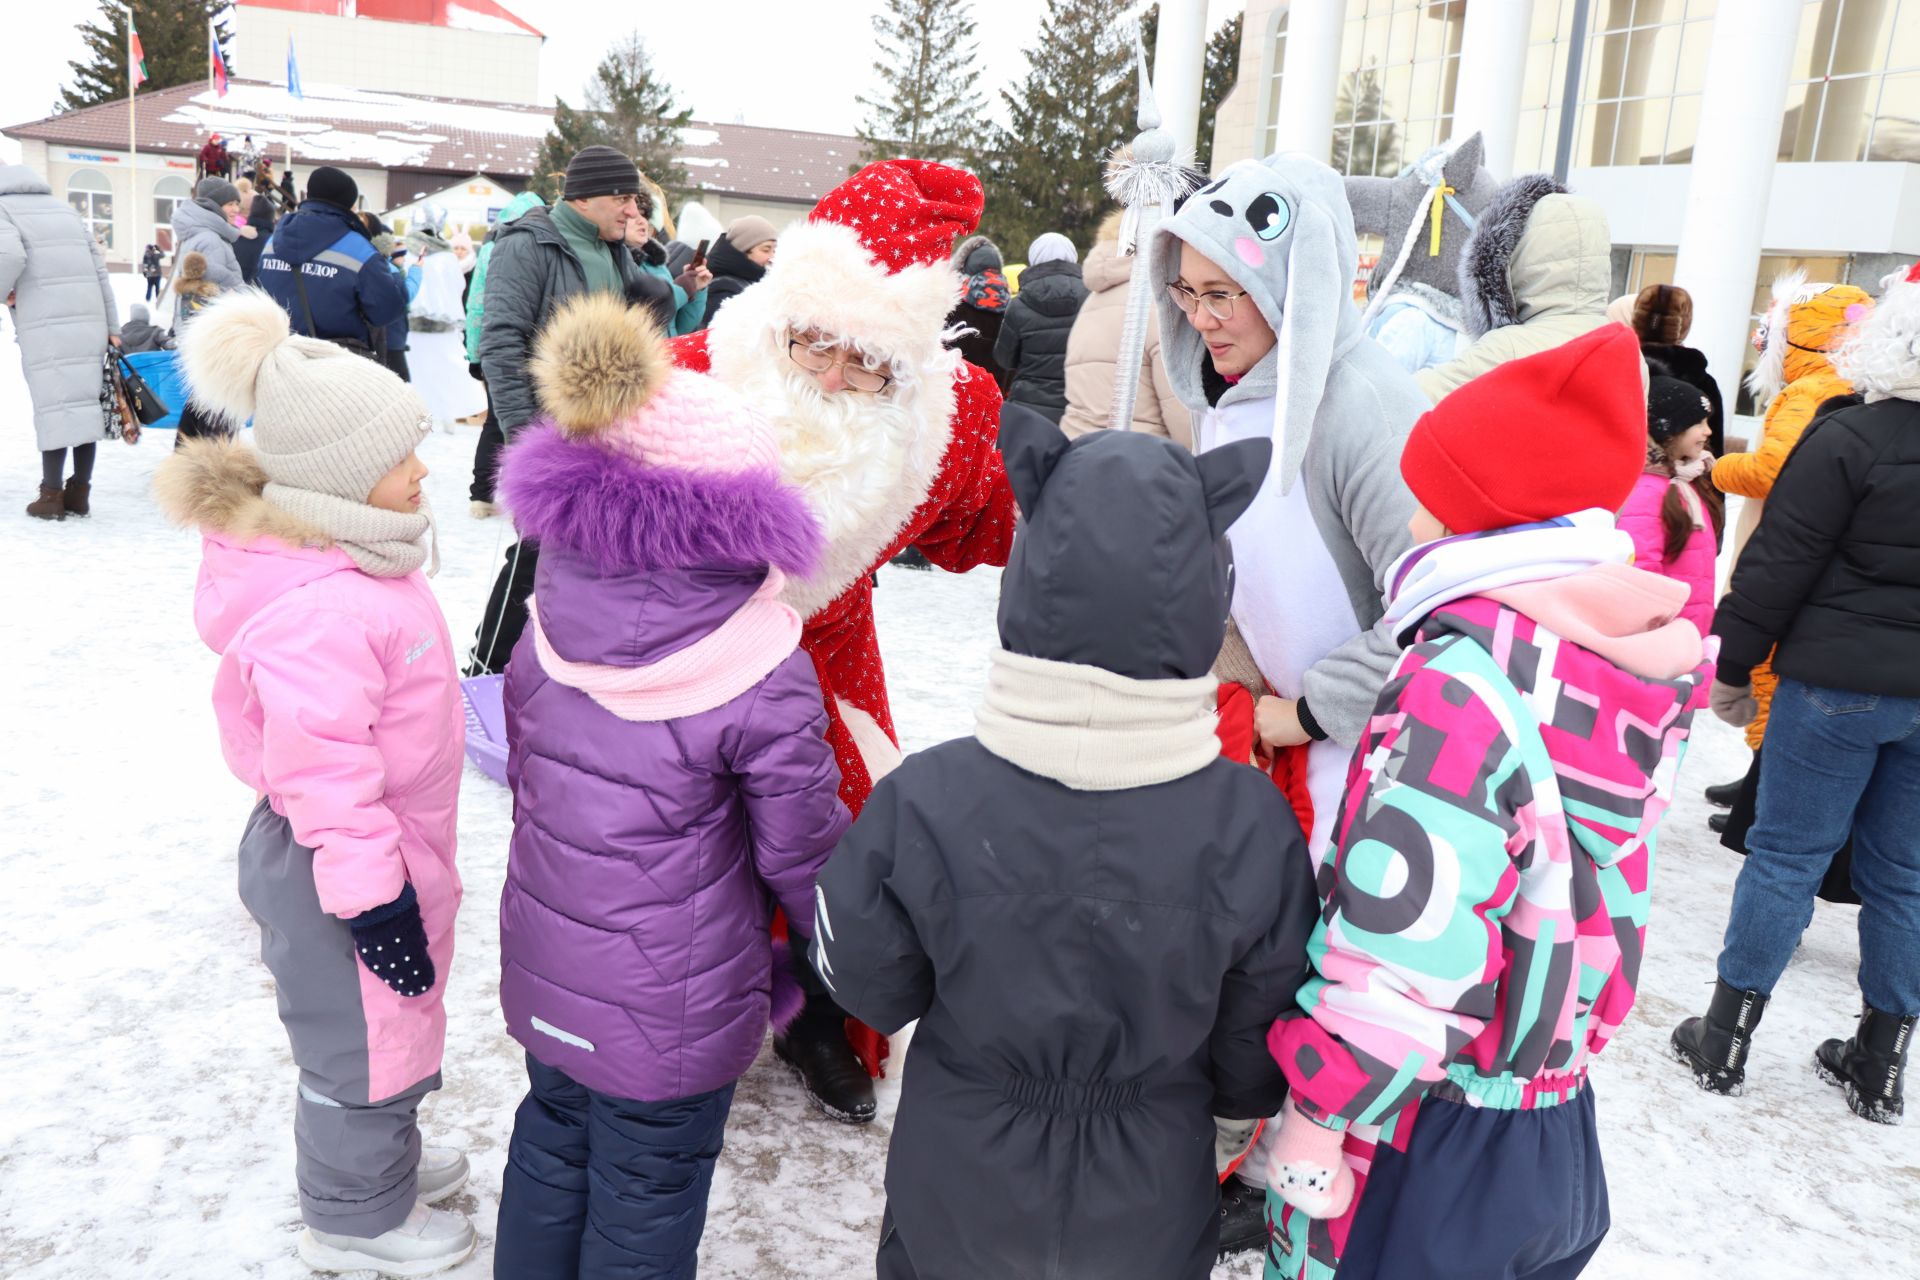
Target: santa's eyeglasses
816 359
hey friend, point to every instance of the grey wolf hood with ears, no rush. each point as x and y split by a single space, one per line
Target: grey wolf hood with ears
1282 230
1398 210
1121 561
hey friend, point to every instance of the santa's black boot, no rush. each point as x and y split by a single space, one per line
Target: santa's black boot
1243 1216
1717 1045
1869 1065
815 1048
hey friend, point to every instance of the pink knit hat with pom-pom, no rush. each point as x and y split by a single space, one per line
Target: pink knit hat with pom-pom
602 371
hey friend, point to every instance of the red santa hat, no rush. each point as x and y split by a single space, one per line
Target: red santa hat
905 211
869 267
1535 438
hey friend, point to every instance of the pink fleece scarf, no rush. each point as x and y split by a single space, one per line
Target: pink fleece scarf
709 673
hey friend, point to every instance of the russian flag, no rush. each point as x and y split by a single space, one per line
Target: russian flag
216 65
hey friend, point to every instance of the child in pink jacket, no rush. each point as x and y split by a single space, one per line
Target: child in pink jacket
337 703
1674 519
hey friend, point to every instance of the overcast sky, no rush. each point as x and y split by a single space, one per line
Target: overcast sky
765 62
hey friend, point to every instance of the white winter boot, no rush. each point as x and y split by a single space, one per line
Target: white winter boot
429 1240
442 1171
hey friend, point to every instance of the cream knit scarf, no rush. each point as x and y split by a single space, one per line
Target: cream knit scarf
1092 730
385 544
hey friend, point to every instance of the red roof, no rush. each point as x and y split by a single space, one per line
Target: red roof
433 13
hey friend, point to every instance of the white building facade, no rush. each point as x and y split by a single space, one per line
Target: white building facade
1728 140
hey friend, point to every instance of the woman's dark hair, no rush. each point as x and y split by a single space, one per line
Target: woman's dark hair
1677 520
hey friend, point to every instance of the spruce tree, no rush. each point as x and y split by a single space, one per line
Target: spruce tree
173 35
1075 104
628 107
929 107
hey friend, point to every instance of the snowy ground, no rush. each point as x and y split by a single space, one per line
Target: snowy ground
148 1091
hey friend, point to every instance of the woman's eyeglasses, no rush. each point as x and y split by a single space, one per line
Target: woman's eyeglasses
817 360
1219 303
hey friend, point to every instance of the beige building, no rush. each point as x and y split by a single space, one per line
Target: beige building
1728 140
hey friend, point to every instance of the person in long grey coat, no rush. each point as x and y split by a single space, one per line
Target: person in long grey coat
1095 916
204 225
54 277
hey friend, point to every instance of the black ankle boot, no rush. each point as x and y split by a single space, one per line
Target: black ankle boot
1722 794
816 1050
1869 1065
1717 1045
1243 1216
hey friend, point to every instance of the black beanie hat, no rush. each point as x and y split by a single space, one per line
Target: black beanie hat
600 171
333 186
1673 406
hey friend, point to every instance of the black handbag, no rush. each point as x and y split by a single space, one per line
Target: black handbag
141 398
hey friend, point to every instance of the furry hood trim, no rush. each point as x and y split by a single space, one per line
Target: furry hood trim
1485 292
623 516
823 278
192 276
214 485
597 361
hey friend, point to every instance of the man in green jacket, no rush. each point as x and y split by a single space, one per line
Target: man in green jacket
539 260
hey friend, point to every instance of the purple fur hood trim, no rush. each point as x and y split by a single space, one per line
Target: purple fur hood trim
623 516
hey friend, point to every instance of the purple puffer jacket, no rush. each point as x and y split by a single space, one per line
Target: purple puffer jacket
647 856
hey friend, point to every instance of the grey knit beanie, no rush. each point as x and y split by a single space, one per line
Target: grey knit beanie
327 424
748 230
216 191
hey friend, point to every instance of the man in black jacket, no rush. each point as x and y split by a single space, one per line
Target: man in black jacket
1095 916
1032 345
539 260
1830 586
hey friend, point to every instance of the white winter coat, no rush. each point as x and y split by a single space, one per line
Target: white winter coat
63 307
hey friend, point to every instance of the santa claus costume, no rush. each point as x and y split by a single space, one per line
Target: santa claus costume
912 465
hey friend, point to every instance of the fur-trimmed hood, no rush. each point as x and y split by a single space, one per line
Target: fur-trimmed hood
623 516
1536 251
213 484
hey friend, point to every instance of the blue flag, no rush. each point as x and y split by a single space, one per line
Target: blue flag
293 72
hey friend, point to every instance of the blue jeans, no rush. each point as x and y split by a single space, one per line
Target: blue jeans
606 1188
1834 761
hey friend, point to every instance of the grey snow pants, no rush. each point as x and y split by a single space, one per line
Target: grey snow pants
355 1159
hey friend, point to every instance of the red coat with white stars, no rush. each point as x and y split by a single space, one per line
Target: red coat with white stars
966 520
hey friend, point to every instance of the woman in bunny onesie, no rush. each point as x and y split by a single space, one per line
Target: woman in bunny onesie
1254 280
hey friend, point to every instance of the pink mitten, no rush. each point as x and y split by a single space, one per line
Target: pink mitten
1307 1169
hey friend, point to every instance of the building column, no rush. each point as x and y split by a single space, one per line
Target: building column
1493 65
1741 111
1179 63
1310 81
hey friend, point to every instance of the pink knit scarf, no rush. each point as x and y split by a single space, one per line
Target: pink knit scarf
710 672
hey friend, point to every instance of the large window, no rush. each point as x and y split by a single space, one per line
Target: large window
168 192
1856 91
1398 63
91 196
1270 127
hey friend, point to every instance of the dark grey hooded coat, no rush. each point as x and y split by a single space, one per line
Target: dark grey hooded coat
1094 971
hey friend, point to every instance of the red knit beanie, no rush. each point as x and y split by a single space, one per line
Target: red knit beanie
1538 437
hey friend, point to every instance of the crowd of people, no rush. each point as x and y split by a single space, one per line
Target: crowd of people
1299 866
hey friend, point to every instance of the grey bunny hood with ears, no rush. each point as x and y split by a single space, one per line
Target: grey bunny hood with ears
1121 561
1398 210
1282 230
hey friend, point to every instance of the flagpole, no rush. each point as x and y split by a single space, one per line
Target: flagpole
133 148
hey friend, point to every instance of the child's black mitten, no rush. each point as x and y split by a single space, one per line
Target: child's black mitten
392 943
